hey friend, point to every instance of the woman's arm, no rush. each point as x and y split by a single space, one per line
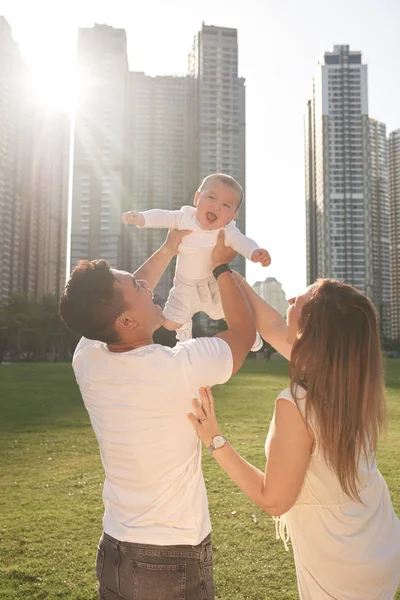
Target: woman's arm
154 267
269 323
288 455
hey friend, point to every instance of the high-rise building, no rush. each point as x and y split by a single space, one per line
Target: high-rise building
346 181
271 291
99 168
311 208
379 211
394 199
338 205
218 111
44 202
34 161
158 161
147 142
11 98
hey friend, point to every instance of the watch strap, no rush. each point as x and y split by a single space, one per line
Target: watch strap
221 269
211 447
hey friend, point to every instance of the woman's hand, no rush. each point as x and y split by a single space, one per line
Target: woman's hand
205 421
222 254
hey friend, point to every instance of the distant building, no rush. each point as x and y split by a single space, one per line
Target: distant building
218 111
338 219
145 142
11 100
99 168
347 210
44 201
379 207
34 167
394 199
271 291
157 161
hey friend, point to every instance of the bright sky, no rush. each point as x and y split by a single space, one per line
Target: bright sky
280 42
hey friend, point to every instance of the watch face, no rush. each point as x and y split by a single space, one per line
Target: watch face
218 441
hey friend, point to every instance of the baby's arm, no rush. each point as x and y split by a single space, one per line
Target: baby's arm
261 256
156 218
246 246
133 218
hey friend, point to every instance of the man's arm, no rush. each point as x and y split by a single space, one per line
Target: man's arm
270 324
154 267
241 331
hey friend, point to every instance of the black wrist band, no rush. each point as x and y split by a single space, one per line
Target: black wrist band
221 269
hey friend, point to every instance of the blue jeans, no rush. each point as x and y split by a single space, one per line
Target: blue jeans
127 571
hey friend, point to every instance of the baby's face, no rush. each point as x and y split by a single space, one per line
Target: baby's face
217 205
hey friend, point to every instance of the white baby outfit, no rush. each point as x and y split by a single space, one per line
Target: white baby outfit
195 288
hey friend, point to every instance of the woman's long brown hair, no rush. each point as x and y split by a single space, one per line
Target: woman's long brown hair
337 359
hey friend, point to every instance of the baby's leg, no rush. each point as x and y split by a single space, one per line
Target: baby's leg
171 325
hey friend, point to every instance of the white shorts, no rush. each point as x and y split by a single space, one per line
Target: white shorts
188 297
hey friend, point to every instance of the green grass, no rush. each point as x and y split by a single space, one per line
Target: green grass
51 483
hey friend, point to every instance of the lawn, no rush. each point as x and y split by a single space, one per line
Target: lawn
51 482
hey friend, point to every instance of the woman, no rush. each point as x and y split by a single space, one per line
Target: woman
320 471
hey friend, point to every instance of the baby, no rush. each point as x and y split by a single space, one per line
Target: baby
195 289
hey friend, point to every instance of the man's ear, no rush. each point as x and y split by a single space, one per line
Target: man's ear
196 199
124 323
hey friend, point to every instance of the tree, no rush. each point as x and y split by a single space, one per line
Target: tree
33 330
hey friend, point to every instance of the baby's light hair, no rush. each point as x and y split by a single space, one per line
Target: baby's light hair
226 180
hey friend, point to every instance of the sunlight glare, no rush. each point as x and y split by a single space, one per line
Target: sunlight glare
55 89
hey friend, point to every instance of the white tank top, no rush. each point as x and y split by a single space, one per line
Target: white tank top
343 550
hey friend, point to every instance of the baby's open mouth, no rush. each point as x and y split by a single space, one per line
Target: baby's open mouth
211 217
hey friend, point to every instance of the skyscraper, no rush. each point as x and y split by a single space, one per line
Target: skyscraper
218 111
146 142
394 199
338 210
311 208
34 162
44 203
379 211
11 98
158 160
346 181
99 168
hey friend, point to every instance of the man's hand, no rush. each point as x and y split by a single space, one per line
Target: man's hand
222 254
174 238
261 256
133 218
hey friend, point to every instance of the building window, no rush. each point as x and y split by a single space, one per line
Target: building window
332 59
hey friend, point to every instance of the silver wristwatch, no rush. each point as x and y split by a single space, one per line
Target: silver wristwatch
218 441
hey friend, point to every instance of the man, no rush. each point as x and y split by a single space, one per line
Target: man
156 540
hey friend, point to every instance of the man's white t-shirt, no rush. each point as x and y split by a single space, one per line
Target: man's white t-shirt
138 402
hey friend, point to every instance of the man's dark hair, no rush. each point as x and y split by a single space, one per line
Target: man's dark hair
91 304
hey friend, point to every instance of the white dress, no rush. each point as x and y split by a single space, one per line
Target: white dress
343 550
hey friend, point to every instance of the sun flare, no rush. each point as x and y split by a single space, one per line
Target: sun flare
55 90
